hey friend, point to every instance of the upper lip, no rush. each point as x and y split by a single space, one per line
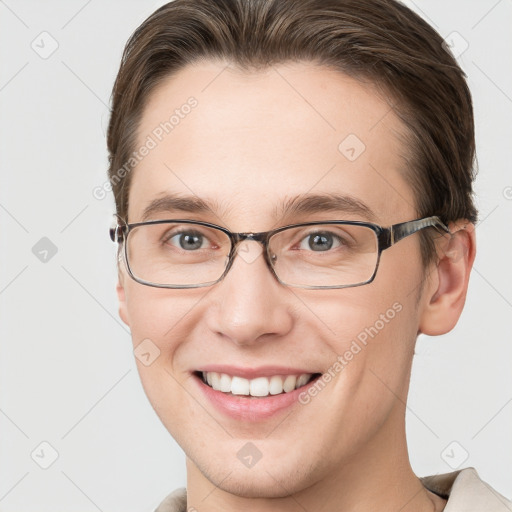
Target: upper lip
253 372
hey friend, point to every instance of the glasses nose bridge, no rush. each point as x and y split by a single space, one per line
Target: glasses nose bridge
261 237
257 237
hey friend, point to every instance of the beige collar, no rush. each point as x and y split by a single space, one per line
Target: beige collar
464 489
466 492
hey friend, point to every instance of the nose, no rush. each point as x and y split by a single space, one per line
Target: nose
249 304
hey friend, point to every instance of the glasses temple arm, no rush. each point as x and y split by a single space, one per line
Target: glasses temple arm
399 231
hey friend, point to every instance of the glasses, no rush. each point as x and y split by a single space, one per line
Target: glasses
314 255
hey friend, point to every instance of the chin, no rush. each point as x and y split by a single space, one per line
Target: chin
258 485
266 479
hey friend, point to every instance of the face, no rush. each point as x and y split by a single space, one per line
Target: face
251 143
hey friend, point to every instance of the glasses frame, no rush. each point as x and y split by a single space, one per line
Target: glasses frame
386 238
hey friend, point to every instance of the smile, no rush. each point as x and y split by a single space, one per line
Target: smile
257 387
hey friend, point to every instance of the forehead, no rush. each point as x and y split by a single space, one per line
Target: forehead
247 142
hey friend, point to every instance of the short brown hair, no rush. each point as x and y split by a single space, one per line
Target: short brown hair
377 40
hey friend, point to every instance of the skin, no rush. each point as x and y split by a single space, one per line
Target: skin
253 140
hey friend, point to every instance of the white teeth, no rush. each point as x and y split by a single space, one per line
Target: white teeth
289 383
276 385
225 383
215 381
303 379
260 386
239 386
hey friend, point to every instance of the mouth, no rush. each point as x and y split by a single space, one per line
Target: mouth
258 387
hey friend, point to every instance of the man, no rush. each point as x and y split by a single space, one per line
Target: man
293 183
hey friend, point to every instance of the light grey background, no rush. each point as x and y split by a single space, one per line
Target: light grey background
67 373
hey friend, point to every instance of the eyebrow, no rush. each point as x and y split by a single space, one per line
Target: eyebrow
173 202
319 203
299 205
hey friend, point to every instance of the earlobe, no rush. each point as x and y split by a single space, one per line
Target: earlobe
450 278
121 296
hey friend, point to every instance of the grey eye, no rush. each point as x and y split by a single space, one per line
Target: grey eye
189 240
320 242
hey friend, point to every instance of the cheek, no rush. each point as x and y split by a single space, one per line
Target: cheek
372 336
374 346
159 314
161 321
359 316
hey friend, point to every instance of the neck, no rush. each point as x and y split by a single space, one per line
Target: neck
378 478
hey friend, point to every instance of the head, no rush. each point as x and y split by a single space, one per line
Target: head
240 110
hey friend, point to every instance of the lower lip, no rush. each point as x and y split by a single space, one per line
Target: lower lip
247 408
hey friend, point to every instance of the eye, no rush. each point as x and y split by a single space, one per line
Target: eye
187 240
321 241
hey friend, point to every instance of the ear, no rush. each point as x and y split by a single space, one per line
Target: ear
448 281
121 296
